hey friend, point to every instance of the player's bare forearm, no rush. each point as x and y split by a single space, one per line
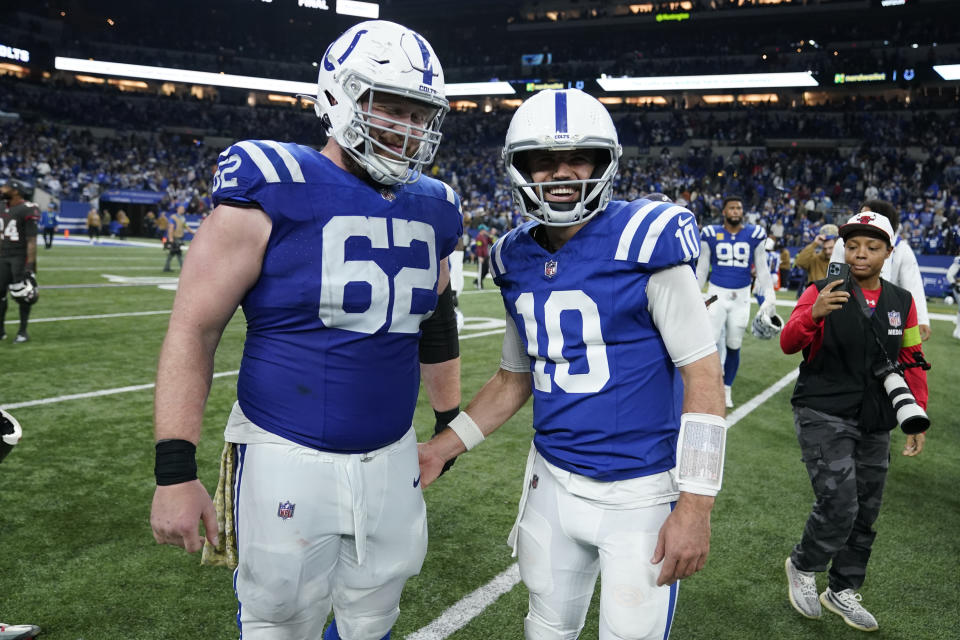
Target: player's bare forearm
32 253
441 380
703 386
495 403
498 399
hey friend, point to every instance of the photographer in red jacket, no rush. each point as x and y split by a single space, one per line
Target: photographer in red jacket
851 326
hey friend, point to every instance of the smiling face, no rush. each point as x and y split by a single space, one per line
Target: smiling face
401 122
558 166
865 253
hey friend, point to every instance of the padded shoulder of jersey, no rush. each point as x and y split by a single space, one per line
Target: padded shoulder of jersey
247 167
500 251
431 187
656 235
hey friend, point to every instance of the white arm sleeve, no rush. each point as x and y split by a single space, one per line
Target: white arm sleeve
906 274
764 281
703 266
838 254
512 356
677 308
953 270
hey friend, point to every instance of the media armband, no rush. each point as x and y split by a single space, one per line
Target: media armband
700 451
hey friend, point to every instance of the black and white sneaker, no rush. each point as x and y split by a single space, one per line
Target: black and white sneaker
21 337
802 590
846 604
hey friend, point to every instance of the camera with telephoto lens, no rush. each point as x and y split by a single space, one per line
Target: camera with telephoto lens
910 416
175 247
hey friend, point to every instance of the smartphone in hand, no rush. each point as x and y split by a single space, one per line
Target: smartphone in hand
839 271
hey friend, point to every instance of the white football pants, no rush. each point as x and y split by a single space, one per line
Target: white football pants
354 531
730 314
564 541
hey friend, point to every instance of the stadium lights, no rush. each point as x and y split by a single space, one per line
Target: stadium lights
492 88
369 10
729 81
948 71
270 85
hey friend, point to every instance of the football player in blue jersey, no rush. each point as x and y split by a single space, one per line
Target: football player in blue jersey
728 254
336 258
607 331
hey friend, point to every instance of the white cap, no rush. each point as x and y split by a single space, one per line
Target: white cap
869 221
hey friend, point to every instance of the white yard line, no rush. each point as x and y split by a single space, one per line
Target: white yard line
97 394
101 316
469 607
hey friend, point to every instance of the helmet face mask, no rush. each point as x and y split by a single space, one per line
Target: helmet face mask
561 121
380 63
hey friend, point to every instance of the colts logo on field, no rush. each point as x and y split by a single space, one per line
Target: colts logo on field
550 268
893 318
285 510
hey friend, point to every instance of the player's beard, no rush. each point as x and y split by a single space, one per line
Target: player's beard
734 223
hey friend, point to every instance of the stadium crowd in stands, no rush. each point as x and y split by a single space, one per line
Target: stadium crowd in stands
158 144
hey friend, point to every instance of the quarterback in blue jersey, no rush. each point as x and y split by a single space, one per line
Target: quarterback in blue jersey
729 252
607 331
336 257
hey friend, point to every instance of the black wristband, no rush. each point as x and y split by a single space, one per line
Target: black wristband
176 462
443 419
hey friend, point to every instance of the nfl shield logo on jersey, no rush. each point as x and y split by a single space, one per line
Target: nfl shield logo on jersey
893 317
550 268
285 510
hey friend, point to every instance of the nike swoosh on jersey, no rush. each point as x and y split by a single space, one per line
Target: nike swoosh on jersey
416 482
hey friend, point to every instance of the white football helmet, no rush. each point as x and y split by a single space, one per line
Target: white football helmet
766 325
381 57
561 120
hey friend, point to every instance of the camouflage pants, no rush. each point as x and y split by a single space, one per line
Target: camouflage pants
847 468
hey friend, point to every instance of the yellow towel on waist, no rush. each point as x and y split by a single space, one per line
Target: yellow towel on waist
224 554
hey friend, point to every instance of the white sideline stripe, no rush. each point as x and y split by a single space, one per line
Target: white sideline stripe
469 607
97 317
744 410
472 605
143 387
98 394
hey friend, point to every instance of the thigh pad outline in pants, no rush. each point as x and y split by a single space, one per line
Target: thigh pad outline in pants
559 571
738 317
632 606
284 572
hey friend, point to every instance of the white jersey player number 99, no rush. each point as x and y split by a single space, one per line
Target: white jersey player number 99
337 272
598 368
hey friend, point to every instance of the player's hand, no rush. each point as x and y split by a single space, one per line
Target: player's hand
684 539
431 463
769 308
177 508
914 444
829 300
924 332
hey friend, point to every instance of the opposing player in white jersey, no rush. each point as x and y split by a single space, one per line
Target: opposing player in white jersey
728 253
606 329
336 257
